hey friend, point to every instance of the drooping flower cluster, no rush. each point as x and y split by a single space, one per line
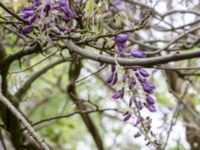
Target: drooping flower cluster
138 77
141 74
135 82
61 12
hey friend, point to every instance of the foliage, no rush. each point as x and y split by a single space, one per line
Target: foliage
99 74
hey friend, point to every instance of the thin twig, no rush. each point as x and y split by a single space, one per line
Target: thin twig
72 114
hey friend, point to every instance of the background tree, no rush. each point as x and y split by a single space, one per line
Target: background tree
120 74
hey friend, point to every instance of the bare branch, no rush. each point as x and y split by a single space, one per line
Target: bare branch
25 87
133 62
27 125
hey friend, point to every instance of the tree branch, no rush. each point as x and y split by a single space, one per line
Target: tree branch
72 114
18 55
27 125
26 85
12 13
131 61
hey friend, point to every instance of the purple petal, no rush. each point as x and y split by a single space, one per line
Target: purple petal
121 48
127 117
148 87
33 18
140 79
143 72
110 78
63 3
113 68
137 135
150 100
61 28
27 14
29 8
138 54
36 3
133 99
68 11
152 108
65 18
115 79
124 78
47 7
121 38
56 6
27 29
117 94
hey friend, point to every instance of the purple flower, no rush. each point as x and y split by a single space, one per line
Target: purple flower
148 87
140 79
68 11
124 77
29 8
110 78
127 117
115 78
65 18
143 72
33 18
133 99
56 6
27 29
27 13
47 7
121 48
36 3
150 100
138 54
61 28
121 43
152 108
63 3
137 135
121 38
118 94
113 68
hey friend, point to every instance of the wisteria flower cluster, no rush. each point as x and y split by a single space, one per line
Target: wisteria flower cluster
135 82
40 11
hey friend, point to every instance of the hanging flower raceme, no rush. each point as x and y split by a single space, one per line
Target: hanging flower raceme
138 77
60 10
135 82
